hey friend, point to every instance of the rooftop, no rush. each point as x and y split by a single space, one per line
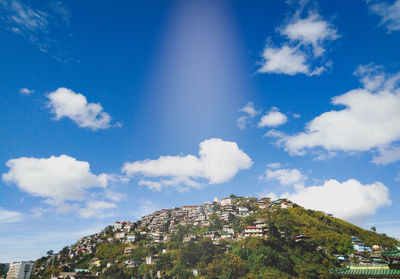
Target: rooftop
367 272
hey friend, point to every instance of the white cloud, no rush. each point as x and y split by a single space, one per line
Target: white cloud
387 155
266 194
24 17
273 118
274 165
250 111
26 91
7 216
66 103
349 200
285 176
284 60
35 24
38 212
369 121
306 42
242 121
389 13
56 178
218 162
95 209
312 30
146 207
114 196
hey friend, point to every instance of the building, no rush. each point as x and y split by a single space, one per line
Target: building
390 270
226 201
253 231
301 237
20 270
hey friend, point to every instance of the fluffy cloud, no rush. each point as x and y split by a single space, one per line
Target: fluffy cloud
7 216
218 162
349 200
273 118
285 176
56 178
95 209
312 30
26 91
284 60
387 155
306 40
369 121
250 112
390 14
66 103
249 109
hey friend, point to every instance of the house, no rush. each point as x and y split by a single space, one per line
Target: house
130 238
301 237
263 202
213 235
129 249
228 229
226 216
118 226
243 211
225 235
119 235
286 204
226 201
360 247
261 223
253 231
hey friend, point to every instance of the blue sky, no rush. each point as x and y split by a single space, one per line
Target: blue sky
111 110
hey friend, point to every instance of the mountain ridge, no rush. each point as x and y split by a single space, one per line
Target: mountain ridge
241 236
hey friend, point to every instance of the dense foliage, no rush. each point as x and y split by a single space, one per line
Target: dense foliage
277 256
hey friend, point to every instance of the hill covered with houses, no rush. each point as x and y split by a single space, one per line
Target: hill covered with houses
235 237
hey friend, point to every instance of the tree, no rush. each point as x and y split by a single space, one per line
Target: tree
373 229
50 252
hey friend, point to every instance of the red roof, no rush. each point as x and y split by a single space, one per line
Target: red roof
251 227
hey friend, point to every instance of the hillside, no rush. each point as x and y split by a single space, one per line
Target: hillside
239 237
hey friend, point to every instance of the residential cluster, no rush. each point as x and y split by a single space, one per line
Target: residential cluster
159 227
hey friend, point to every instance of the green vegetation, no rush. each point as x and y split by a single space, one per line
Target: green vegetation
278 256
3 270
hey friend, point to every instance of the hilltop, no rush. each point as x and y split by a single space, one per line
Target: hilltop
235 237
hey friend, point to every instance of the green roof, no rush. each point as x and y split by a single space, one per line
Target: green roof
391 254
378 272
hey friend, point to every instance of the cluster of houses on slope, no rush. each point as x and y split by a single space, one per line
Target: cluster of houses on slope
368 262
363 255
161 225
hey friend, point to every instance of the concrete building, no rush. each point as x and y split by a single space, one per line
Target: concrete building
20 270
